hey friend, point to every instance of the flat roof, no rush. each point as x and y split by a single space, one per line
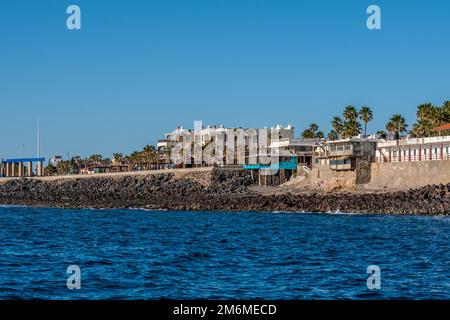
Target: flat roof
24 160
353 139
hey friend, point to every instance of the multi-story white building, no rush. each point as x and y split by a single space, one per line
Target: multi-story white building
347 154
172 138
206 135
414 149
210 133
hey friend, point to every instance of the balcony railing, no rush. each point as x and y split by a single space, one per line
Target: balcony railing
413 158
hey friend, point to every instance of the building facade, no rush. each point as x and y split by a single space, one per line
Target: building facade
304 149
348 154
240 138
414 149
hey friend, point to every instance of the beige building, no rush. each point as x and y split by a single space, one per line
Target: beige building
304 149
347 154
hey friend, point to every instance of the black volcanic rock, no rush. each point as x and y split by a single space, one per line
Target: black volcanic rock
228 190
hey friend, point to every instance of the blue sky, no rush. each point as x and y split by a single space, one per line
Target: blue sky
138 69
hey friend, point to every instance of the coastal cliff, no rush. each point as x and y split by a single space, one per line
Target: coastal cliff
214 190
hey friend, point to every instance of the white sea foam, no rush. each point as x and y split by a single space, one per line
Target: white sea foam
338 212
148 210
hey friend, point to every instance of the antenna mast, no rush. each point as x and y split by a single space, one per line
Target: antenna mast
38 138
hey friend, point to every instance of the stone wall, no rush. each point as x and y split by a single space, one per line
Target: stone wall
323 177
382 176
405 175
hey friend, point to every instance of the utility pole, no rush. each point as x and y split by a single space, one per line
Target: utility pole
38 138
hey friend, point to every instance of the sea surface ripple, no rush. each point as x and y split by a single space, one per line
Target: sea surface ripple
138 254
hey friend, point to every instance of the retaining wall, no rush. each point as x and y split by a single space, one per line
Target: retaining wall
403 175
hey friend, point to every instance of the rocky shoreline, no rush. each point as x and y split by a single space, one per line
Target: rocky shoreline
217 190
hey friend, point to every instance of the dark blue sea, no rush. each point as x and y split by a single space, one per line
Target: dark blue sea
137 254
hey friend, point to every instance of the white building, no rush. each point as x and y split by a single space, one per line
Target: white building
209 134
347 154
414 149
304 149
172 138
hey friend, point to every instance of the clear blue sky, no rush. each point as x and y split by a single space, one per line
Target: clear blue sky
138 69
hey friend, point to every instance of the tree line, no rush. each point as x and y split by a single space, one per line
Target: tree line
137 160
354 122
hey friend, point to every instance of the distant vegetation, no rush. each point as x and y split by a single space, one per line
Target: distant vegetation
354 122
137 160
429 117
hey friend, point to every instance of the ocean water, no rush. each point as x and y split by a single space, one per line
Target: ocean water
137 254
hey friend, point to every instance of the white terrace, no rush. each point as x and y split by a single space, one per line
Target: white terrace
414 149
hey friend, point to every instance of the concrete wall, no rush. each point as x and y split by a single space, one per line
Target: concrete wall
405 175
324 178
381 176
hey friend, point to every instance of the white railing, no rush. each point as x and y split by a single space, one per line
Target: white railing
413 158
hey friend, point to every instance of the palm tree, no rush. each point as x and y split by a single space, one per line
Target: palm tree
97 158
429 117
307 134
422 128
149 148
313 127
319 135
390 127
337 125
382 134
351 127
149 156
366 115
350 114
425 111
397 123
312 132
49 170
63 167
118 157
333 135
446 111
105 162
135 158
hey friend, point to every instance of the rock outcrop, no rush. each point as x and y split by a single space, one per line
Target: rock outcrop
227 190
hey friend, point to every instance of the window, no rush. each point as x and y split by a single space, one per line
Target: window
340 162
